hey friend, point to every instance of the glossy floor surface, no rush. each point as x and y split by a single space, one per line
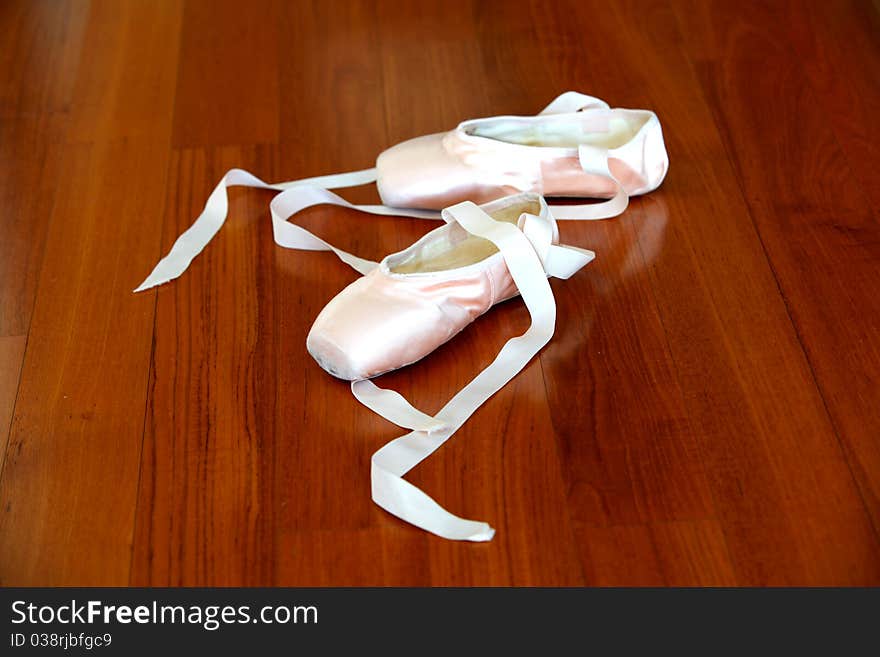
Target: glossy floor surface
708 411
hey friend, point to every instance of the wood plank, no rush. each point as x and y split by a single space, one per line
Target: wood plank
693 553
37 66
228 82
126 75
682 553
336 56
815 221
838 48
11 356
431 60
333 557
206 498
69 480
30 153
72 463
42 40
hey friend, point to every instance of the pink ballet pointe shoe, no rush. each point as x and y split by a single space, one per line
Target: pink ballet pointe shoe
568 151
417 299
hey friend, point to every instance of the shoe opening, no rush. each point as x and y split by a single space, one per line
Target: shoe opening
604 128
453 247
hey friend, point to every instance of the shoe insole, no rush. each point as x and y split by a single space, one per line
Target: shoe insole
455 247
560 132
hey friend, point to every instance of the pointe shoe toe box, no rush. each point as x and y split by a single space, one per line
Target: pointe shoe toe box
421 173
370 328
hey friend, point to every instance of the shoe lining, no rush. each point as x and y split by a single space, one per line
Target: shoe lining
561 132
455 247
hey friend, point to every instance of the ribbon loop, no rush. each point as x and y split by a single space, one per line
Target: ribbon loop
573 101
395 408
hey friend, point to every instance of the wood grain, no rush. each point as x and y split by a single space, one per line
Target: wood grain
41 42
70 474
706 413
817 224
228 75
11 356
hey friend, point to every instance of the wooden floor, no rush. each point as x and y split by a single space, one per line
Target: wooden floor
708 412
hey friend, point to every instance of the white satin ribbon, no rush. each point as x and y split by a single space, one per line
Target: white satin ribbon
394 460
594 160
573 101
296 196
307 192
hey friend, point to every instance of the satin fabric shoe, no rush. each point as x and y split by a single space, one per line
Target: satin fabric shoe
419 298
567 151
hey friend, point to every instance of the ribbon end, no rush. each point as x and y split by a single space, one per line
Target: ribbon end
151 281
483 536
